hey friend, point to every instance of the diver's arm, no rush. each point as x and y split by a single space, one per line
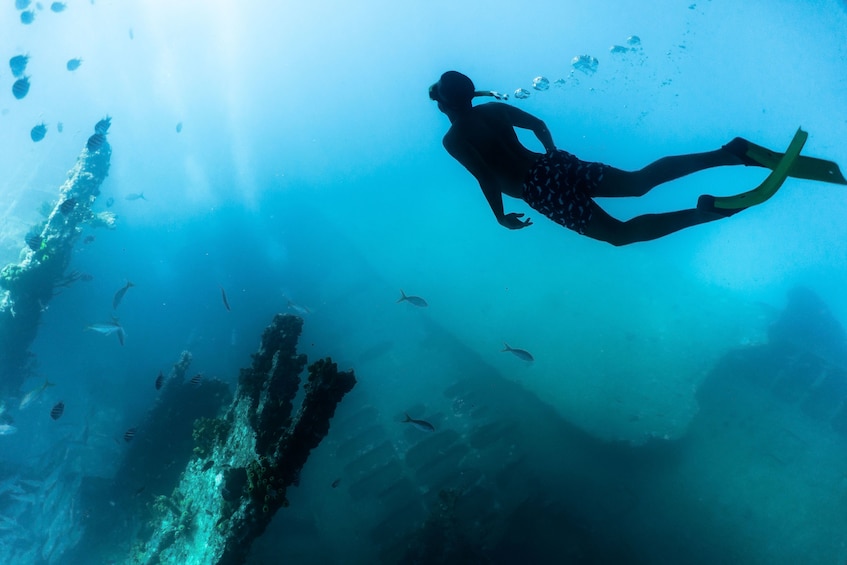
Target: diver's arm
470 159
519 118
495 200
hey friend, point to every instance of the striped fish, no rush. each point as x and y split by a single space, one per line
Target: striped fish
57 410
21 87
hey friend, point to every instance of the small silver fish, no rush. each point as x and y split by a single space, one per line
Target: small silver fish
413 300
105 328
119 295
422 425
521 354
33 395
7 429
301 310
135 196
109 328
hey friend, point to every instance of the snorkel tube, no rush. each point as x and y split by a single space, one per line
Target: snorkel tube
496 95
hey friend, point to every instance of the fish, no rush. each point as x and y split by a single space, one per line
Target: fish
7 429
109 202
195 380
38 132
95 142
413 300
226 302
129 434
208 465
135 196
60 127
34 241
67 206
88 239
73 64
22 4
58 7
119 295
131 35
18 65
21 87
160 380
109 328
106 328
336 482
27 17
522 354
301 310
57 410
179 127
102 127
33 395
422 425
85 277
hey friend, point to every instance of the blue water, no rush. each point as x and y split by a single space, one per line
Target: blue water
308 173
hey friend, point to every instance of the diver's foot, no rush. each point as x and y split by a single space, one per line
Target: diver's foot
706 203
738 148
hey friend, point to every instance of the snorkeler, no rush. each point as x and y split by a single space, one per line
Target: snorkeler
562 187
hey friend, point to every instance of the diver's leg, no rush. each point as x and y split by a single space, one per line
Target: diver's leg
604 227
637 183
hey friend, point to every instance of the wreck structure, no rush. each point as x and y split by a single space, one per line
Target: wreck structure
218 497
27 287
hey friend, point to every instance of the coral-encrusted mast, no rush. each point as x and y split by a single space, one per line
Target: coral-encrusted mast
226 499
27 286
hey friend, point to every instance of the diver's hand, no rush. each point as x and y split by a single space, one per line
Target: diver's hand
513 221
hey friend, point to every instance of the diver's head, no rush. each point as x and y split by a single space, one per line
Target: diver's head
453 90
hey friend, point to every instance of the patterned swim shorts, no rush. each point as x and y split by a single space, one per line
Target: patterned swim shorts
560 186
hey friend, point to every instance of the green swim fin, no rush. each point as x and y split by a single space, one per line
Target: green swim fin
729 205
809 168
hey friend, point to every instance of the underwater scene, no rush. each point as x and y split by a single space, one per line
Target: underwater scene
423 282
